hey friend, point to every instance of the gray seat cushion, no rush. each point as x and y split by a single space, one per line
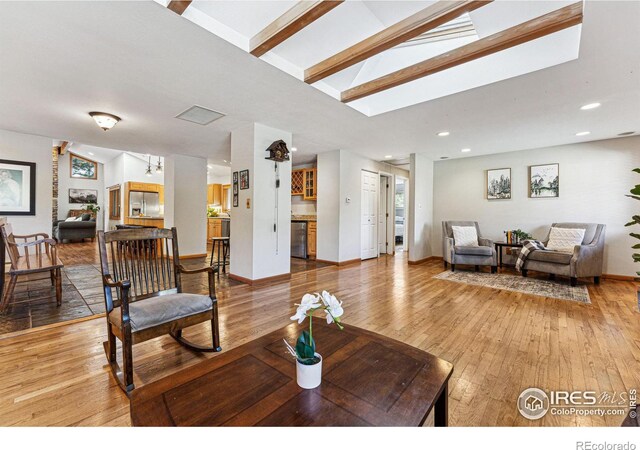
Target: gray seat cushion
476 251
550 256
154 311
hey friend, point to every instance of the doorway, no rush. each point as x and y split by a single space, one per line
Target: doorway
400 214
385 213
369 215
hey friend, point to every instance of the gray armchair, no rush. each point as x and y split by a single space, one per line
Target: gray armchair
585 261
483 255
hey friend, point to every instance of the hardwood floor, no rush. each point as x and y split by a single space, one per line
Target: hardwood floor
500 343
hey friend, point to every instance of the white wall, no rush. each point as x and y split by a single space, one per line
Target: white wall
65 182
328 206
135 170
216 178
594 178
185 204
30 148
258 251
420 207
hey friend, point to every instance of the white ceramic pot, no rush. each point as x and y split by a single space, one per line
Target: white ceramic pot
309 377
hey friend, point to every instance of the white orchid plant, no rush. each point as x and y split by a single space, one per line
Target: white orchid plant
305 346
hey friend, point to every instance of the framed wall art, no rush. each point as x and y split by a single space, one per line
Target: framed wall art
83 168
83 196
544 181
235 189
17 188
244 179
499 184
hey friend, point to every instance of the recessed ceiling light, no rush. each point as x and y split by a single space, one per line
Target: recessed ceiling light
583 133
294 149
443 133
626 133
465 150
91 153
590 106
209 166
388 156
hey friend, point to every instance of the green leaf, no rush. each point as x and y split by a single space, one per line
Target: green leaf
305 346
633 196
636 170
636 246
636 257
635 235
636 190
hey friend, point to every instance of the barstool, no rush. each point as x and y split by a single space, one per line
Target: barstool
222 243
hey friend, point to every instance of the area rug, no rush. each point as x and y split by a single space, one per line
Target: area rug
543 288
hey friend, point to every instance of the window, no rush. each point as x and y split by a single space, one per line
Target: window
114 202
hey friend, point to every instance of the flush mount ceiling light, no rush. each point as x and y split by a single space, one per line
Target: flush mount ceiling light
443 133
583 133
590 106
104 120
198 114
465 150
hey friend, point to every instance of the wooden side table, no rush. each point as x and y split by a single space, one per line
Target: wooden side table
499 247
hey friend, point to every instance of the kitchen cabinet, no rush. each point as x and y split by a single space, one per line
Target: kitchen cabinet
214 228
226 197
311 239
310 184
137 186
214 194
297 182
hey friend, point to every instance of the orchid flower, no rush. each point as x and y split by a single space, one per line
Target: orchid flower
308 302
333 308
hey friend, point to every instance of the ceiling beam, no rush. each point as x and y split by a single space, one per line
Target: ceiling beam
295 19
424 20
178 6
63 147
533 29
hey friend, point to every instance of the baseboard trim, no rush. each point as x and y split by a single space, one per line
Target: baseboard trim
424 260
340 263
611 276
261 281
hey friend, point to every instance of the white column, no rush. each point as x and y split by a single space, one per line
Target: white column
420 207
185 202
261 223
328 206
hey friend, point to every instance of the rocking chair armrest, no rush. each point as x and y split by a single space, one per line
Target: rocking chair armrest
110 282
209 269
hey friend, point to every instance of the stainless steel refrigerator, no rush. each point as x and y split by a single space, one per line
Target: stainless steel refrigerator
145 203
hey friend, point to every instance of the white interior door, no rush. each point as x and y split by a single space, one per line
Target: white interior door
382 215
369 215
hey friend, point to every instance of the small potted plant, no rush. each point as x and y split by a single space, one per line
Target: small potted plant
95 209
635 220
308 361
521 236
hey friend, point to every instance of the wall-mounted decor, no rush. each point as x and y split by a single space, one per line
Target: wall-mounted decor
244 179
84 168
235 189
278 151
544 181
17 188
83 196
498 184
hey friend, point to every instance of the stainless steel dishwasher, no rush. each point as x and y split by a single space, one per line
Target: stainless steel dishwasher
299 239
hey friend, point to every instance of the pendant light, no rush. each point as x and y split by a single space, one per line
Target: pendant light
148 172
159 166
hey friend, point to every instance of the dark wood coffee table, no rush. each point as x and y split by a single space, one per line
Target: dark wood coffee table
367 379
500 245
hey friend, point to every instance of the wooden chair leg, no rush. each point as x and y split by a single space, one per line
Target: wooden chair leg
52 274
215 332
127 361
477 268
524 273
453 267
58 279
111 345
8 294
574 281
445 264
596 280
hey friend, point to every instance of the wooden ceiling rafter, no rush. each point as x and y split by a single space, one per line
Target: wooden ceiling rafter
295 19
545 25
419 23
179 6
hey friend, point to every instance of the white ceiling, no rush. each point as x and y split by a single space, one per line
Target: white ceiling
146 64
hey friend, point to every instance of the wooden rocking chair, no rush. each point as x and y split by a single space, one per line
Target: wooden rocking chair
29 254
149 301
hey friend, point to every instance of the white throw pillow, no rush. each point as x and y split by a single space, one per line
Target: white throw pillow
565 239
70 219
465 236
